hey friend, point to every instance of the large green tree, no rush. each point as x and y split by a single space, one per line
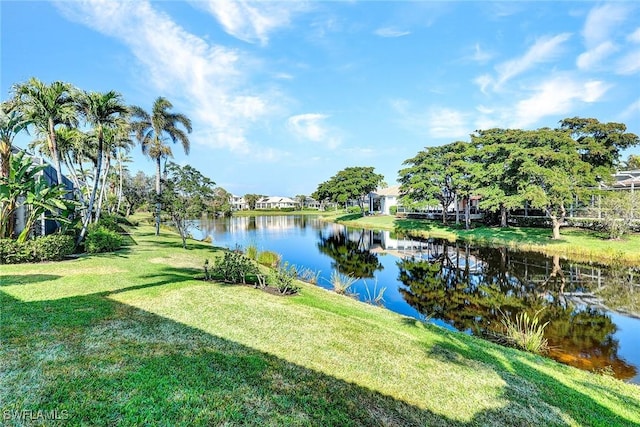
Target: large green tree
186 191
104 112
428 179
153 131
599 144
46 107
352 183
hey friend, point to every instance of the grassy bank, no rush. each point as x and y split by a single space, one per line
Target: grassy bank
134 338
574 243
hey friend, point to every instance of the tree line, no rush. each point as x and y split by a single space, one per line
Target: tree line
91 134
546 169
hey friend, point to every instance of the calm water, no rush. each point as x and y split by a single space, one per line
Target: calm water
462 287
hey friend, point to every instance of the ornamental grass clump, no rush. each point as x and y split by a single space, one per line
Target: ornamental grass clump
374 296
268 258
342 282
309 275
526 332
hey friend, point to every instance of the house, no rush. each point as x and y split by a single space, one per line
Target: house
238 203
626 180
311 203
275 202
383 199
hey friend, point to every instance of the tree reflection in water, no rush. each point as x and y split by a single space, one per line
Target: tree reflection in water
470 289
350 253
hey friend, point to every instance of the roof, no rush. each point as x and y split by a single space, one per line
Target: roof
276 199
393 190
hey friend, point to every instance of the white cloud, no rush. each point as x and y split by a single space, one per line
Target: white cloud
632 111
391 32
436 122
629 64
207 79
601 21
556 97
311 127
544 49
252 21
635 36
595 56
447 123
480 55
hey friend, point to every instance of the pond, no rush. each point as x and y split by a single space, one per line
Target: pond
592 310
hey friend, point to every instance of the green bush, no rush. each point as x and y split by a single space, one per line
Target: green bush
54 247
354 209
100 239
393 210
283 278
234 267
47 248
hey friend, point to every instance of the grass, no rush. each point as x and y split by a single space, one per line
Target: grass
577 244
132 338
526 332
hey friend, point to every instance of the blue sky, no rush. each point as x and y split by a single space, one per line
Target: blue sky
283 95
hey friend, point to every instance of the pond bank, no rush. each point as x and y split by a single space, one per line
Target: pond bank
578 245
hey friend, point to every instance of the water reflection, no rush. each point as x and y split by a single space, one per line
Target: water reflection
350 252
465 287
472 288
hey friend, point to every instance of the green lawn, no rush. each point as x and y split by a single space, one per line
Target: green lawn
574 243
134 338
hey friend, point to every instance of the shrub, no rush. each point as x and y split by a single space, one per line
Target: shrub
234 267
393 210
53 247
354 209
283 278
46 248
268 258
100 239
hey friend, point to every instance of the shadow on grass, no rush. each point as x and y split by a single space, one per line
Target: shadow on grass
25 279
581 406
108 361
100 360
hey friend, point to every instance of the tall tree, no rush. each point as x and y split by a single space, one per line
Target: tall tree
104 112
186 189
152 131
353 183
497 179
428 181
46 107
551 172
301 198
599 144
12 122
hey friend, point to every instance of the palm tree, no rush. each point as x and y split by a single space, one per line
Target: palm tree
47 106
12 122
152 130
103 111
115 138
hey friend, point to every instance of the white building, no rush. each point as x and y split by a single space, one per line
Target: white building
276 202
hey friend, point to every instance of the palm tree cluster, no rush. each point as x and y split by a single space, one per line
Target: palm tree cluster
89 134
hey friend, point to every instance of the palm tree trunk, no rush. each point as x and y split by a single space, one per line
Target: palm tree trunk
94 190
119 185
103 186
158 194
54 150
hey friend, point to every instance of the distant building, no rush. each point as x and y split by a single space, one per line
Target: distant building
383 199
275 202
238 203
